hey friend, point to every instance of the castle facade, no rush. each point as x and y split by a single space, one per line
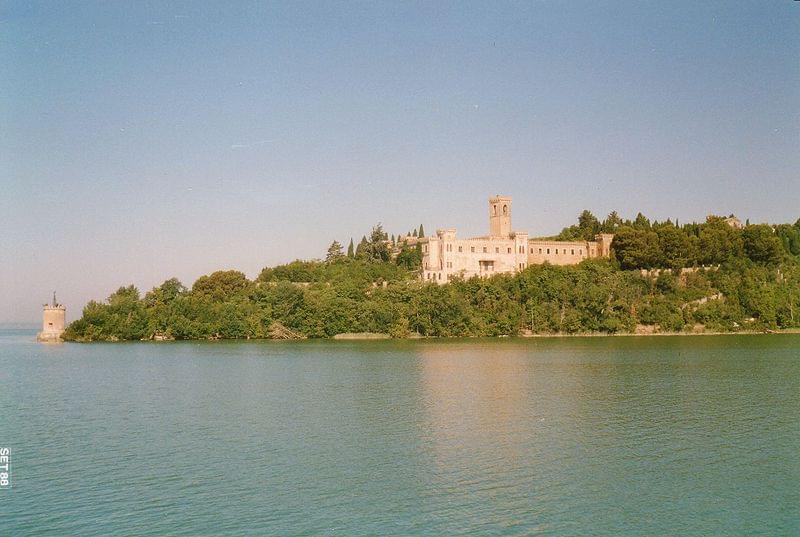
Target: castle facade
501 251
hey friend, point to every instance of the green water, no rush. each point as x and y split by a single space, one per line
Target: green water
595 436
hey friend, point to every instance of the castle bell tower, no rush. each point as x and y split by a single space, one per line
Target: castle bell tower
500 216
53 321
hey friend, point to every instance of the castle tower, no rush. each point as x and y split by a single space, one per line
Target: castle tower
53 321
500 216
604 244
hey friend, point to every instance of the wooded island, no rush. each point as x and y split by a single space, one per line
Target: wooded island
661 277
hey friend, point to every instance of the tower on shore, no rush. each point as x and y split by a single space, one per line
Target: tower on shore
53 321
500 216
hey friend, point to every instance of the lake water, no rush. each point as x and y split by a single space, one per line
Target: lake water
580 436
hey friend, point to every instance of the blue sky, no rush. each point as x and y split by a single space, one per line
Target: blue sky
142 141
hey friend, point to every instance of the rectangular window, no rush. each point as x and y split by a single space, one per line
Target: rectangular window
540 250
459 249
472 249
580 251
486 266
509 250
548 250
484 249
496 250
572 251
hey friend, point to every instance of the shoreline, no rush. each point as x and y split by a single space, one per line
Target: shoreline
666 334
384 337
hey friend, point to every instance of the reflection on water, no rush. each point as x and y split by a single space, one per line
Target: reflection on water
601 436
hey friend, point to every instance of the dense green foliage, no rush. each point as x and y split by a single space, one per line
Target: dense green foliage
317 299
752 282
641 244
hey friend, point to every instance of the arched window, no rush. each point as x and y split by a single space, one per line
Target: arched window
505 209
494 210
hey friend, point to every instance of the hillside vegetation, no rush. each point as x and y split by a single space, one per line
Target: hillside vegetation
746 279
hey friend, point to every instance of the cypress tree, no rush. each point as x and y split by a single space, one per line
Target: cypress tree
421 231
350 249
361 249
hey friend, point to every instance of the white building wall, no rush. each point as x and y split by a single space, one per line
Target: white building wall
444 256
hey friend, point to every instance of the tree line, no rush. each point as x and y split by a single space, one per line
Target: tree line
642 244
378 247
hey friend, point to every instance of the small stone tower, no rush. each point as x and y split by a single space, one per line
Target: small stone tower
500 216
53 321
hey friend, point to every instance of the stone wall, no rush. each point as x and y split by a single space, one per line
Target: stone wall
560 252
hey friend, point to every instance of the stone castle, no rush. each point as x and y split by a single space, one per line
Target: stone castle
502 250
53 321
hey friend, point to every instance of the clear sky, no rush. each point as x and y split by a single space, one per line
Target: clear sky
145 140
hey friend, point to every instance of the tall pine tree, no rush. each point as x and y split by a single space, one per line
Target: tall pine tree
334 252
